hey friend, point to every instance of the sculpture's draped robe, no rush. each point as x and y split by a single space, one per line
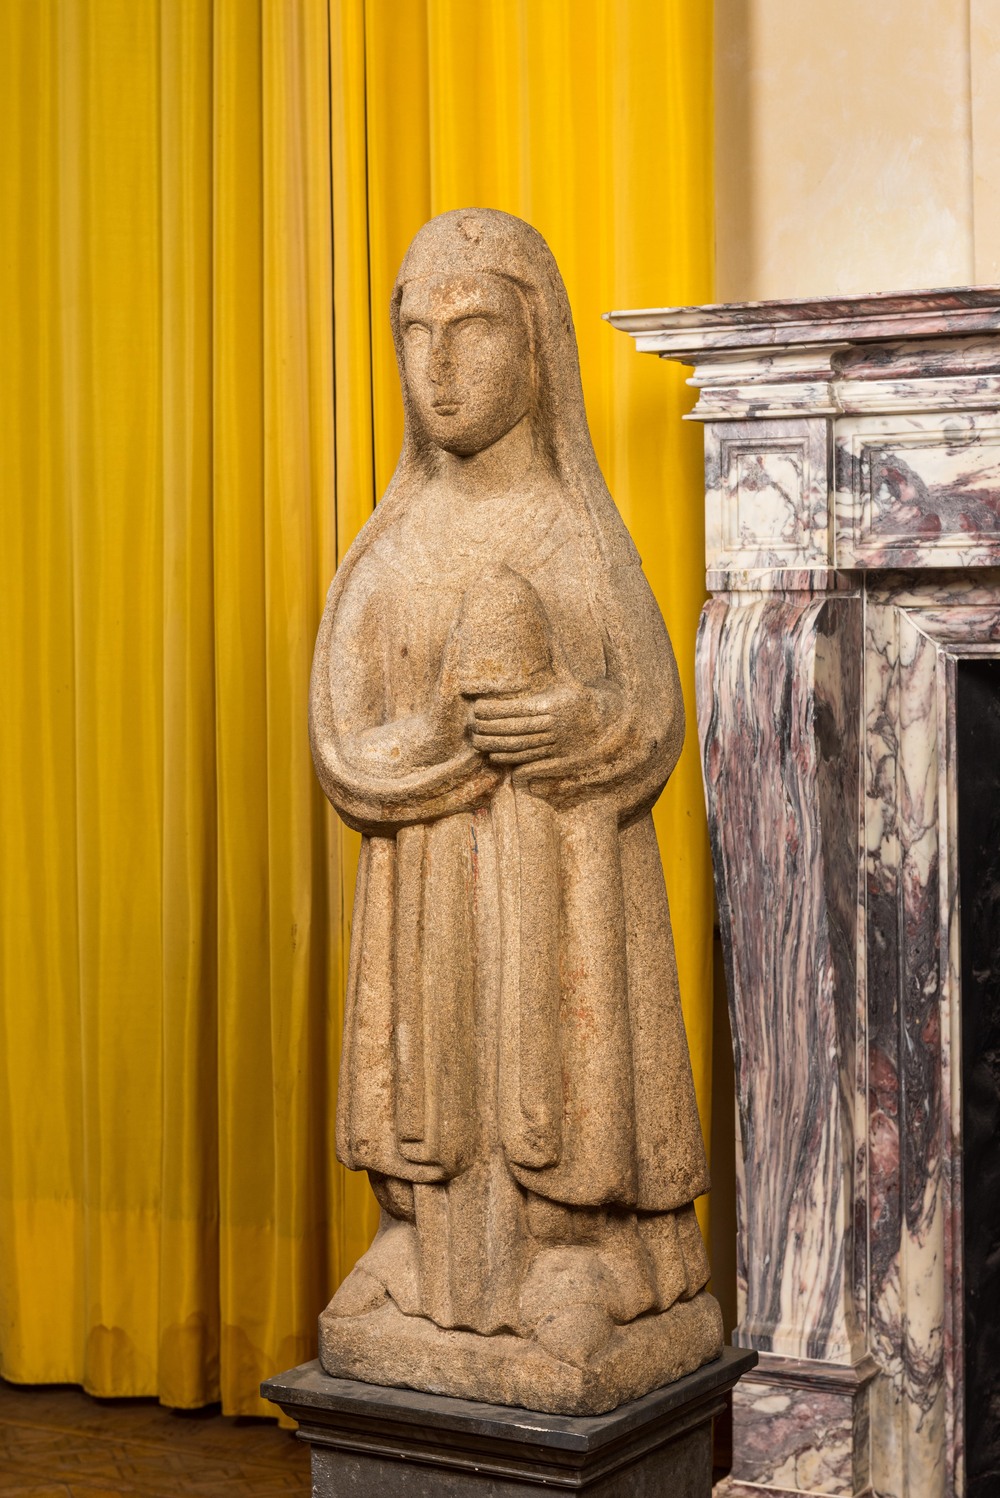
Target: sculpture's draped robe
513 1037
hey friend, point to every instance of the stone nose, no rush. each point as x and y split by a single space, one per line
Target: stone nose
440 365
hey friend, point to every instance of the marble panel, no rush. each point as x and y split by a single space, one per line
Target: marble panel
778 681
914 1143
753 400
904 1145
767 494
912 489
801 1426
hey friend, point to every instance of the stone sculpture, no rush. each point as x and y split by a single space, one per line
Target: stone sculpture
495 706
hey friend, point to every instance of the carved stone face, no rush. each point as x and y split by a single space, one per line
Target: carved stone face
466 359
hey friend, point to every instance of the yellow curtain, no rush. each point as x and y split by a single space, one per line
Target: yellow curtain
204 205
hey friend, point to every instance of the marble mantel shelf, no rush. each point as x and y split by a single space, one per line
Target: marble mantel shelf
685 333
852 534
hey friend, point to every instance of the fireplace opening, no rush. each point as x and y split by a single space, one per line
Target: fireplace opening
978 763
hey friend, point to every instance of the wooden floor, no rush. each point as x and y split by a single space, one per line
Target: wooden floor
59 1441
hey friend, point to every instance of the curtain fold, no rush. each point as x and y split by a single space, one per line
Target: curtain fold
593 120
205 202
188 1305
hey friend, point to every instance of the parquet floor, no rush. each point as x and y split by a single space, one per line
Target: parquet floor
61 1443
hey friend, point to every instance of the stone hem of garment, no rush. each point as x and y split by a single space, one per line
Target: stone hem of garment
388 1348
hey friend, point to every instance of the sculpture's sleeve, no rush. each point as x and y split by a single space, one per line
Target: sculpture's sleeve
379 769
631 759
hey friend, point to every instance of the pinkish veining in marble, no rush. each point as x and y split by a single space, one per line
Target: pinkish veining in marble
801 1426
918 486
853 542
781 770
683 333
767 494
913 988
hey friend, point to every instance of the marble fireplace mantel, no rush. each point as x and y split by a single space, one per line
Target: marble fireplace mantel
852 461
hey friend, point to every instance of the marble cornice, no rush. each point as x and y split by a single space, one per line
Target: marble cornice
688 333
832 356
842 434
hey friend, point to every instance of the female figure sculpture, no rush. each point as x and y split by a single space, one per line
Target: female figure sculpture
495 706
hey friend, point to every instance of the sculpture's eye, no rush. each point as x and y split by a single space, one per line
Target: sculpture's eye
472 328
416 333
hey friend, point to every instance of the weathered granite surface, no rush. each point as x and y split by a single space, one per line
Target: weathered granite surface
495 706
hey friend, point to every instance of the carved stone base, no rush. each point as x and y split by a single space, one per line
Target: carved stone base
367 1440
386 1347
800 1426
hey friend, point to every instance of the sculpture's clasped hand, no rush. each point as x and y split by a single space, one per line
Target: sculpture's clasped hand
537 727
450 722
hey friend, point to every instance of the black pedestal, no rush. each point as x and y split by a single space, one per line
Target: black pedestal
368 1440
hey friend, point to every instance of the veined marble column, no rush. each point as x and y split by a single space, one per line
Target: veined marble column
852 456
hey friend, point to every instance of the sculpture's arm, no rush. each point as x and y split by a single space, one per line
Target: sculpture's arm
620 735
648 734
382 772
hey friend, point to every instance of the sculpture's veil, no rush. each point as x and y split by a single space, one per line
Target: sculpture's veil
483 240
468 241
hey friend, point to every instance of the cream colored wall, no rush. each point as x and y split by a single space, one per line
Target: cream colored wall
985 84
857 145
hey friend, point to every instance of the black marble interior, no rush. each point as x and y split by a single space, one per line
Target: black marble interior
978 742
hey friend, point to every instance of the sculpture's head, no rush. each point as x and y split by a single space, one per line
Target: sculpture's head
467 363
484 336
